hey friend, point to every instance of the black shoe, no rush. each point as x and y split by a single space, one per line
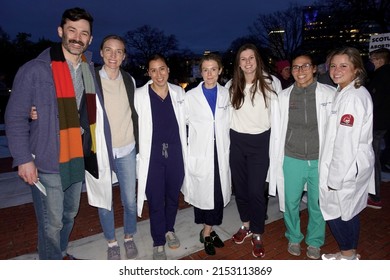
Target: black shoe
216 240
208 243
209 246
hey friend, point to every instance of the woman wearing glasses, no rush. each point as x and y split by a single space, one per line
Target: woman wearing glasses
304 107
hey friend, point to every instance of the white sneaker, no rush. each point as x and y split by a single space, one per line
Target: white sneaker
339 257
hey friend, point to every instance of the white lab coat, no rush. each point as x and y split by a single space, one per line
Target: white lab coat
347 158
199 187
324 96
145 123
99 190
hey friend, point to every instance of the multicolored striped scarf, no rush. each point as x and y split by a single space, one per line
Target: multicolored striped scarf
72 151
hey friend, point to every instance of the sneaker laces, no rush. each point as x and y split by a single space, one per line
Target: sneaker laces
130 244
113 251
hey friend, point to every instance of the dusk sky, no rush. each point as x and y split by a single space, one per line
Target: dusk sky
198 25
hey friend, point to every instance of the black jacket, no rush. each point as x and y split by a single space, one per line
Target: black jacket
379 88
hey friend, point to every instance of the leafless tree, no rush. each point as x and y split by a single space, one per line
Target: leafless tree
280 31
145 41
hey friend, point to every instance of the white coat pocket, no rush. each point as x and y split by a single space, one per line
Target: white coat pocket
197 167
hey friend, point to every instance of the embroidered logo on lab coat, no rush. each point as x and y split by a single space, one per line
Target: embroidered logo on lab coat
347 120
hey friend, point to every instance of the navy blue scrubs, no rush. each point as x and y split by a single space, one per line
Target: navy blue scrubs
166 168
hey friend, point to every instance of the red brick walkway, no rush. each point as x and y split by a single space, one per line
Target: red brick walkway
374 238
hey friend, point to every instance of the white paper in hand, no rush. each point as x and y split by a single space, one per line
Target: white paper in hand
40 187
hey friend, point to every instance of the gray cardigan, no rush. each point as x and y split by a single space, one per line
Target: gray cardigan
34 85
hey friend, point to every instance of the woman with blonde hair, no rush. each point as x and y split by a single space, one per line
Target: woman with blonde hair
347 159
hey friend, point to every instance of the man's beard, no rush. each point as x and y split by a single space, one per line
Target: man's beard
75 51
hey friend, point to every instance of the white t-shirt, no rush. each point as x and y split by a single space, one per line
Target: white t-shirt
251 118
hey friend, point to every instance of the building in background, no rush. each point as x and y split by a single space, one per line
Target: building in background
324 29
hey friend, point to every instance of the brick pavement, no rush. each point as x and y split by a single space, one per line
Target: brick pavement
18 234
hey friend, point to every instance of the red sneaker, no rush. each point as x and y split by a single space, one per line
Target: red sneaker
258 247
374 204
241 235
69 257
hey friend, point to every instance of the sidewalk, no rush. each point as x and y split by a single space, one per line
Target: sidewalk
94 247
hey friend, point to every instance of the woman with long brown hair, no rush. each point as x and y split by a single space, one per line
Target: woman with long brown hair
253 93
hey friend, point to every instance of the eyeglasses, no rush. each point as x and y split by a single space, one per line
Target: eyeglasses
303 67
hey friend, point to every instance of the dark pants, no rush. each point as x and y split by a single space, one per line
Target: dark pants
385 157
214 216
346 233
249 162
165 178
378 136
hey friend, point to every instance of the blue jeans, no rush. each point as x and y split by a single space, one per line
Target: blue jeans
55 215
126 176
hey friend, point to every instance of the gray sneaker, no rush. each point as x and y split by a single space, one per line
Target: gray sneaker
172 240
114 253
131 249
294 249
159 253
313 252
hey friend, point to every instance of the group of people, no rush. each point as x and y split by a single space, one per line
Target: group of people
206 143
